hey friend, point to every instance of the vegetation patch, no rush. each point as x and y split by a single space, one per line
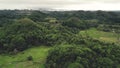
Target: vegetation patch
38 54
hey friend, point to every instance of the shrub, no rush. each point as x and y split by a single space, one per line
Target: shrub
29 58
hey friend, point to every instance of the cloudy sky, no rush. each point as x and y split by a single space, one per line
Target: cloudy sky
61 4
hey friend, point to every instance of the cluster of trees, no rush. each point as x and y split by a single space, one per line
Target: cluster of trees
84 18
92 55
7 16
21 29
106 17
25 33
75 22
88 19
27 27
19 35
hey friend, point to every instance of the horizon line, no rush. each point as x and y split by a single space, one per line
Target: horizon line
48 9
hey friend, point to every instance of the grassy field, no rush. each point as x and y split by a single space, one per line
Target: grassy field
100 35
39 55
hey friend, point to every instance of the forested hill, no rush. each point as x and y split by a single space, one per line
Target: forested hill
106 19
6 16
112 17
75 39
70 22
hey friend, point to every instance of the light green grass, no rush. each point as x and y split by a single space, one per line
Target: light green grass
39 55
101 35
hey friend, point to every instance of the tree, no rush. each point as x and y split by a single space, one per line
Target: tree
93 55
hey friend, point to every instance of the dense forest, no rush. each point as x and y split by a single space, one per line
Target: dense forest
77 39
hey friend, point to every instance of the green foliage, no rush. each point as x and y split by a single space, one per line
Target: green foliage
25 33
22 29
20 35
92 55
75 22
37 16
102 16
29 58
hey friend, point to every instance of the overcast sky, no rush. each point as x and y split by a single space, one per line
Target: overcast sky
61 4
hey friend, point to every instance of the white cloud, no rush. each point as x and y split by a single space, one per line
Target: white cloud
61 4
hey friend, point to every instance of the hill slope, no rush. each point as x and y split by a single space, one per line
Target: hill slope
101 35
39 55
